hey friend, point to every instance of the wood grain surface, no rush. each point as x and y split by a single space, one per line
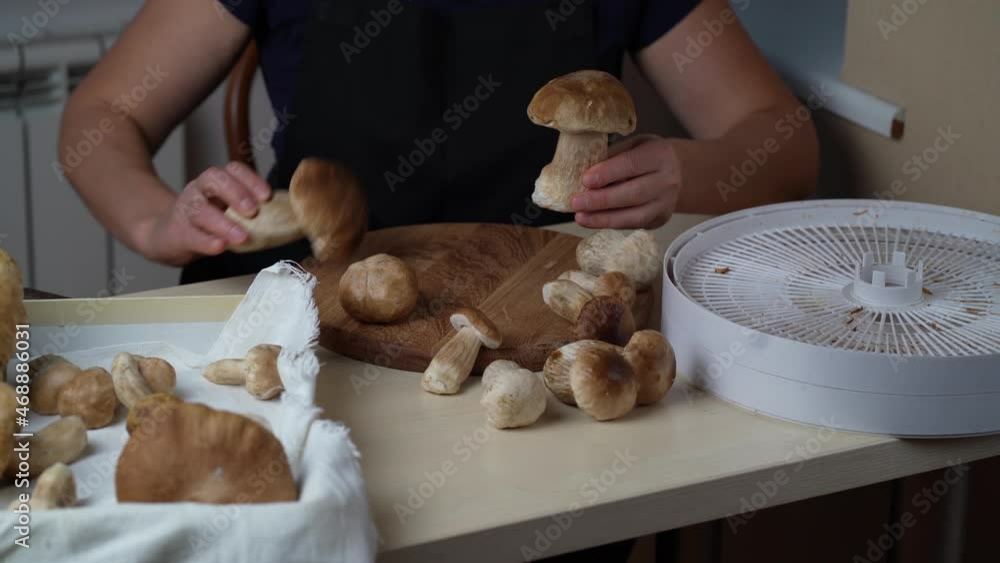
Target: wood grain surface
499 269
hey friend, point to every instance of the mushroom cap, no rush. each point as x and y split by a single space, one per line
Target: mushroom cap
49 375
330 206
90 396
151 407
158 373
11 306
636 255
586 100
556 370
379 289
485 330
603 383
617 285
262 378
8 417
605 318
652 359
199 454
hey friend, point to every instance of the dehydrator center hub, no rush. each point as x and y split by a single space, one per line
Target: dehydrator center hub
881 315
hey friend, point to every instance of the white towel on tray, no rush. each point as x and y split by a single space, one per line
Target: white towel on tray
329 523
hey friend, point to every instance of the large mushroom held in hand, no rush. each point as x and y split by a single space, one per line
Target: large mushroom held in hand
585 107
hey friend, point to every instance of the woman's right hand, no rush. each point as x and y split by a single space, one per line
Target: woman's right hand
196 225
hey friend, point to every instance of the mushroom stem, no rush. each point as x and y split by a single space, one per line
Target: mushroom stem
452 364
561 179
565 298
63 441
55 489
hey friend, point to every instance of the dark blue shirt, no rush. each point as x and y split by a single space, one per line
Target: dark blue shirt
279 27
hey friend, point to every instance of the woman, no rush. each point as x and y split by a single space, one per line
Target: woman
369 82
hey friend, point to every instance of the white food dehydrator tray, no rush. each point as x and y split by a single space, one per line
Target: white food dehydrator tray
880 317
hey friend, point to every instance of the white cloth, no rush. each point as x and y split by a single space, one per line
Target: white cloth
330 522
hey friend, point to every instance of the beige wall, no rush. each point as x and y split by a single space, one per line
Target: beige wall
943 65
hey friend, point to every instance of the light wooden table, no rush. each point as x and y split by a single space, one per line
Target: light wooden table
443 486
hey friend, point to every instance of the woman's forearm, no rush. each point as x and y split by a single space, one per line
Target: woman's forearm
108 161
769 157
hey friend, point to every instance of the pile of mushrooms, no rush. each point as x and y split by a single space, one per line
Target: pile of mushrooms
604 313
324 203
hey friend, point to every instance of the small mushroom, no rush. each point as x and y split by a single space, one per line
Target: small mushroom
330 206
150 408
636 255
199 454
49 374
513 396
62 441
454 361
594 376
379 289
606 317
615 284
274 225
585 106
55 488
91 396
652 359
136 377
580 278
258 372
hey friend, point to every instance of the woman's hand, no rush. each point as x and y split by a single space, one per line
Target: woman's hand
635 188
196 225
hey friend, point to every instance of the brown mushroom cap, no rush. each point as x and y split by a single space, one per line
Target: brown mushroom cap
557 367
652 359
330 206
158 373
603 383
605 318
152 408
379 289
586 100
199 454
484 328
49 375
617 285
90 396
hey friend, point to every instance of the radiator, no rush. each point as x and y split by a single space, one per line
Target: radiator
43 223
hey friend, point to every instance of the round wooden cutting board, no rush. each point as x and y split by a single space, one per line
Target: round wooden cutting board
499 269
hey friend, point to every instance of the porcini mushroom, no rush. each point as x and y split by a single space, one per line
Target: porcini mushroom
49 375
606 317
62 441
594 376
12 311
580 278
330 206
150 408
379 289
199 454
513 396
91 396
274 225
615 284
636 255
454 361
652 359
585 106
258 372
55 488
135 377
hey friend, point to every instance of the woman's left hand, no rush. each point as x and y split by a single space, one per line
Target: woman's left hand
637 187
